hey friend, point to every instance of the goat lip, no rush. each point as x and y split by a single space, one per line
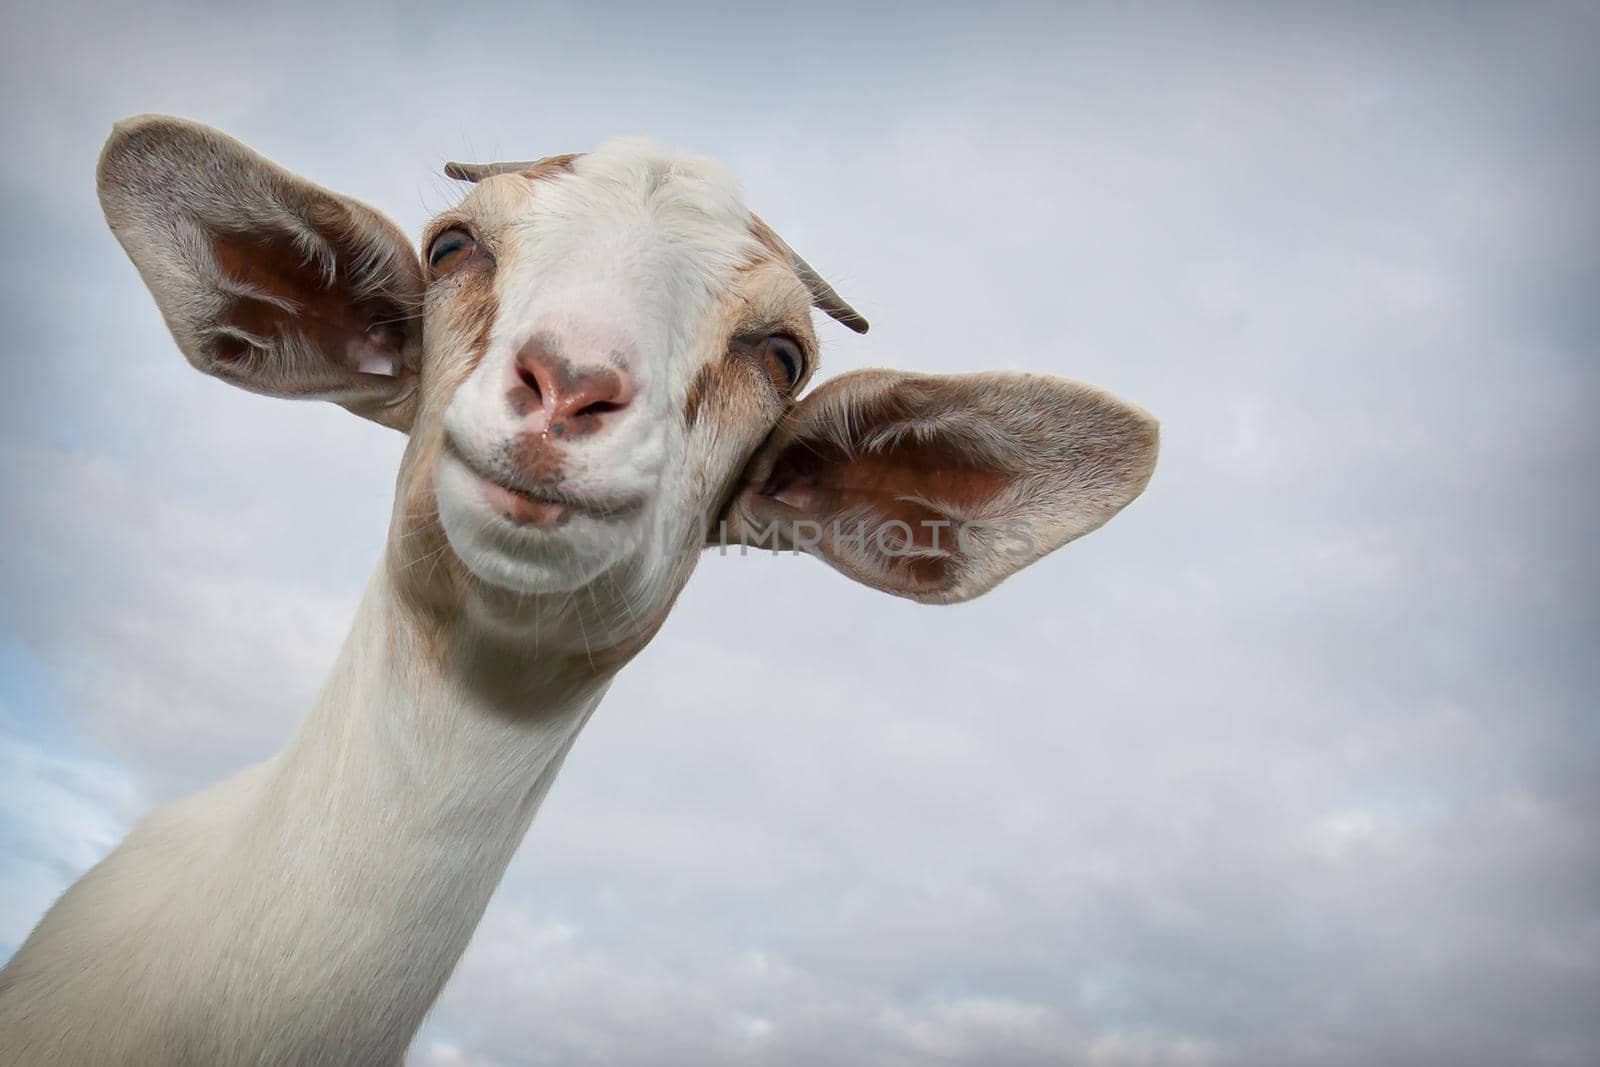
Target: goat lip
544 509
524 509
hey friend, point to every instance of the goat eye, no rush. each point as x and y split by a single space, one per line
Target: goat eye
449 249
784 358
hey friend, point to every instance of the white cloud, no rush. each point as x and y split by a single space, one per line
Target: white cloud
1291 764
61 814
1345 835
444 1054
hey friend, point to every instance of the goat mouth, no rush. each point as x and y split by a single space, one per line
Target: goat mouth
542 508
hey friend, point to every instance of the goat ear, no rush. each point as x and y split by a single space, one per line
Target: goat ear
266 280
938 487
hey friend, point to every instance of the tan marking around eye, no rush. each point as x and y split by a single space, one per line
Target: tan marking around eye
472 312
731 389
697 394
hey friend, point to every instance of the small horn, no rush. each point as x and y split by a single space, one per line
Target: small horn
824 297
476 172
822 294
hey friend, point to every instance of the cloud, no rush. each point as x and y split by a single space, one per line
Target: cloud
444 1054
1291 764
176 650
61 815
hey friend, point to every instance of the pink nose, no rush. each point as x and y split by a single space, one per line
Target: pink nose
563 399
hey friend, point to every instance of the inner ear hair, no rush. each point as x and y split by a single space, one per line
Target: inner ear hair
266 280
880 473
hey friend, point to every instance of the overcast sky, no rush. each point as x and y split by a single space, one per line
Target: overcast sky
1295 762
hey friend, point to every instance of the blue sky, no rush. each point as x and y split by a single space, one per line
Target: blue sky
1293 763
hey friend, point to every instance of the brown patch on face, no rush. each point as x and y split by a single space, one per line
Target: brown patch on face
472 313
430 578
766 299
731 402
536 461
731 390
697 394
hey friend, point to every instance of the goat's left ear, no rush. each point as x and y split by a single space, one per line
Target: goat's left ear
266 280
938 487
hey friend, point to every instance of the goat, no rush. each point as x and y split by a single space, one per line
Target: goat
601 362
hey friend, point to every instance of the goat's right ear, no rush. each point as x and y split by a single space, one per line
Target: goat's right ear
266 280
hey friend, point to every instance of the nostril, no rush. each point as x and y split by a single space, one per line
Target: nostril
525 373
599 407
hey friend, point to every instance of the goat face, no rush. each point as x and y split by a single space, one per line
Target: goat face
607 340
599 359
